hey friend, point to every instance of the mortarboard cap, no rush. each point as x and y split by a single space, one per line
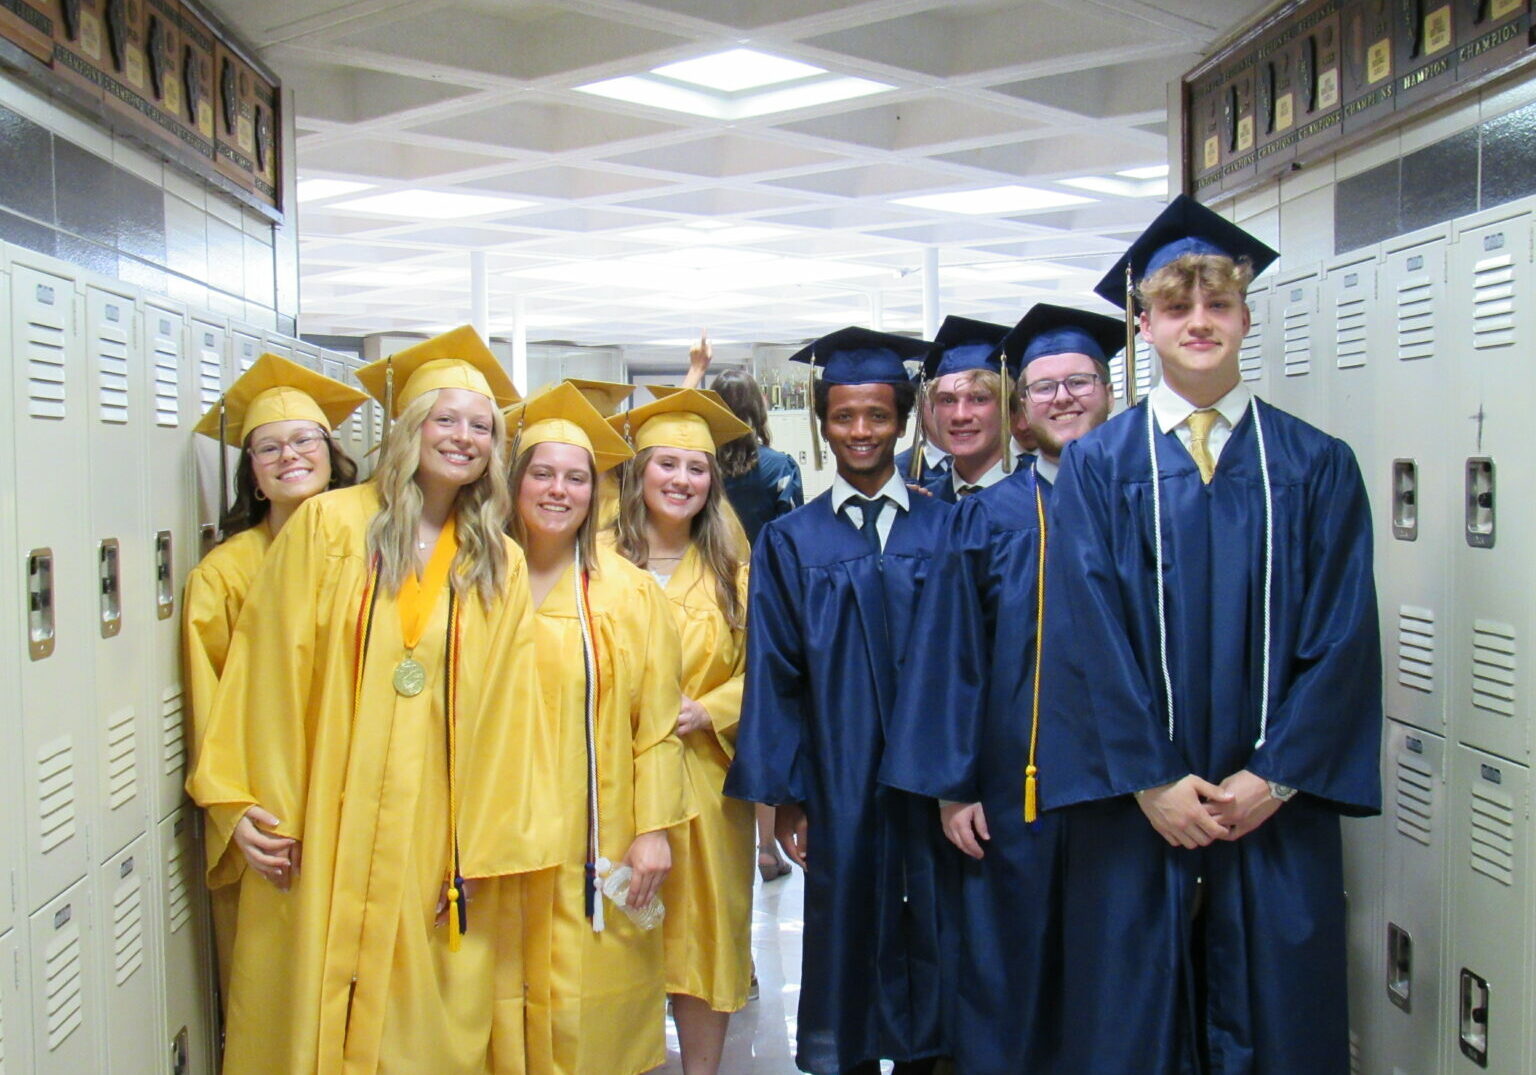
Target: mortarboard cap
277 390
1060 330
604 395
456 359
862 356
1184 227
562 415
962 344
682 418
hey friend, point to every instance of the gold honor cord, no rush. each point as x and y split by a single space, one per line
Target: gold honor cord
458 901
389 400
1005 409
810 409
919 438
223 465
1130 339
418 595
1031 795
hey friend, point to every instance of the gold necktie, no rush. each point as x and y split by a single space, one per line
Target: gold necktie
1200 424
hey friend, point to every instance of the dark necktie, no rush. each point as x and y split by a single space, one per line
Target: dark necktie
871 511
967 490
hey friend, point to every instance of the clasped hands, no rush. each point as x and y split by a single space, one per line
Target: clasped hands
1193 813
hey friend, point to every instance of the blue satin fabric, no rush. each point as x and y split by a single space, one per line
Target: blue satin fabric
768 490
904 468
942 488
962 733
820 686
1273 926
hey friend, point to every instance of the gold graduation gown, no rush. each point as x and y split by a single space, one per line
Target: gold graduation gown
708 928
346 972
215 592
596 1000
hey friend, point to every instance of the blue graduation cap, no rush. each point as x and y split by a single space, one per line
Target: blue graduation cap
861 356
1060 330
1185 227
962 344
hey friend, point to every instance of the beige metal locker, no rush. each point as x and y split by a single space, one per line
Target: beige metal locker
64 968
15 1032
13 850
1293 386
246 346
58 568
1251 356
125 928
1487 990
116 541
186 941
210 343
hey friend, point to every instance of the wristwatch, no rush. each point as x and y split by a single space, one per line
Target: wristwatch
1283 792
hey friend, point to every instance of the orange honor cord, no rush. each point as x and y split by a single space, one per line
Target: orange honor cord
1031 799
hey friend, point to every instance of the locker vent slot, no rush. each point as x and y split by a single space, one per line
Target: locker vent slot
56 793
63 986
1416 648
127 929
1493 302
112 378
1143 372
167 383
1349 331
247 355
178 890
1493 834
45 372
210 375
333 369
1415 318
376 411
1493 668
1415 800
1355 1059
122 760
1297 344
173 748
1250 357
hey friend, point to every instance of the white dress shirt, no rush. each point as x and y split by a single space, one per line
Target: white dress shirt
986 481
1172 412
894 490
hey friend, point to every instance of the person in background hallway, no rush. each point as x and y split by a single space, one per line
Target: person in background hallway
936 459
280 415
370 758
608 663
672 521
1223 702
967 712
834 586
967 390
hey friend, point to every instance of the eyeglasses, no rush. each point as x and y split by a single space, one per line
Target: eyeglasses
1077 385
270 451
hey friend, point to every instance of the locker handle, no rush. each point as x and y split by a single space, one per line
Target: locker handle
165 593
208 537
110 586
1399 966
1481 528
40 625
1474 1018
1405 499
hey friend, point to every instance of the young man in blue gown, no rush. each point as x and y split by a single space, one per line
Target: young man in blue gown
1211 593
833 589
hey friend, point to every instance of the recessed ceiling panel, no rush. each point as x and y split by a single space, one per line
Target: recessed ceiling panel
563 181
382 158
913 124
714 201
543 128
1084 153
724 155
340 94
1101 92
871 180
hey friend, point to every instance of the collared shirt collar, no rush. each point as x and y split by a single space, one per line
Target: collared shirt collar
935 456
1172 410
1045 470
894 490
986 481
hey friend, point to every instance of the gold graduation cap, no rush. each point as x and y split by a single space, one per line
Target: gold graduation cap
562 415
604 395
682 418
456 359
277 390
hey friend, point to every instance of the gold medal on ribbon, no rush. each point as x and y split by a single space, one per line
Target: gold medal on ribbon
410 677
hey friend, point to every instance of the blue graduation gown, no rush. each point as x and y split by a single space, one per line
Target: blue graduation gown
1257 986
768 490
962 733
904 468
825 620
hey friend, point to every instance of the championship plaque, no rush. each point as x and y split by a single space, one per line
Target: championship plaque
1239 122
1489 35
1277 93
1425 36
1370 37
1203 132
30 24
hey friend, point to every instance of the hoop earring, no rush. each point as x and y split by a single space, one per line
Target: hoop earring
259 494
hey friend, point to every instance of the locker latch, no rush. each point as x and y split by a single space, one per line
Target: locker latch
109 582
165 592
1474 1018
1399 966
1405 499
181 1054
40 632
1480 502
207 537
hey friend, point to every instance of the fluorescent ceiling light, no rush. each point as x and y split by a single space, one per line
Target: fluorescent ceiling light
707 224
433 204
720 233
737 69
1120 188
310 190
704 257
661 93
645 273
1013 272
994 201
691 341
1156 171
420 276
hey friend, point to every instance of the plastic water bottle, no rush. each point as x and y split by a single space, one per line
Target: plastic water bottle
616 888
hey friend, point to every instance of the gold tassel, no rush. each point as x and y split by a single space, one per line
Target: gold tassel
919 438
1005 406
1130 338
389 399
454 932
223 466
1031 802
1031 806
810 409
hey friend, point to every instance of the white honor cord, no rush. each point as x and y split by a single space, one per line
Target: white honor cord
589 666
1269 567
